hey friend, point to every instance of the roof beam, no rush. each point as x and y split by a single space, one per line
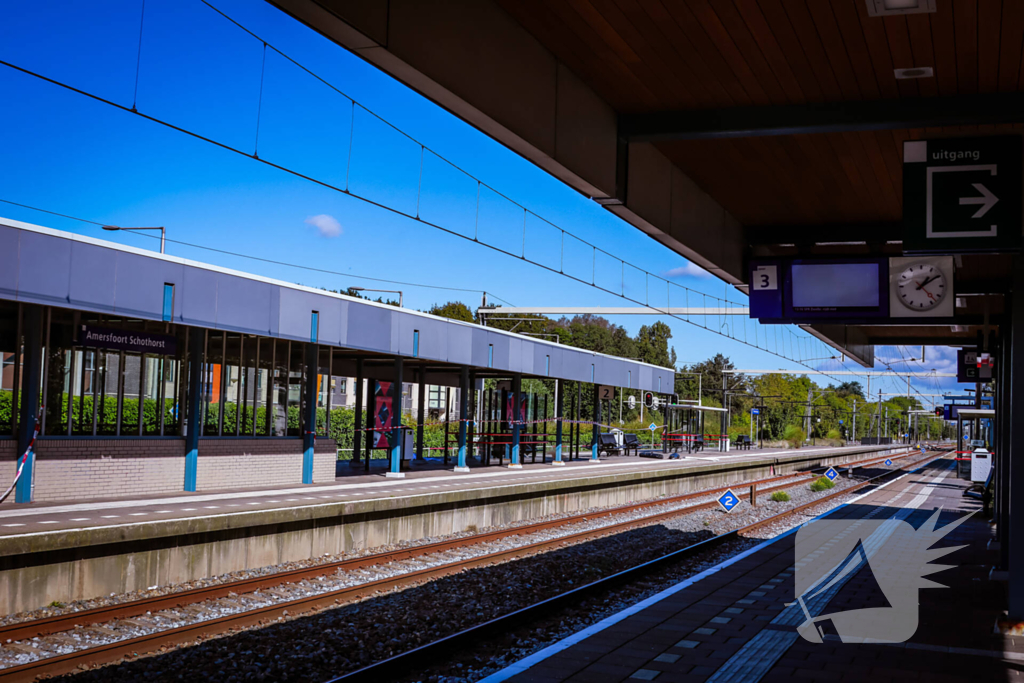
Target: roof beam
808 235
823 117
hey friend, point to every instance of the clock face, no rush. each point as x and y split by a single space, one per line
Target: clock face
921 287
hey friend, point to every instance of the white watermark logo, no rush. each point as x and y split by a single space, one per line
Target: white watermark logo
830 552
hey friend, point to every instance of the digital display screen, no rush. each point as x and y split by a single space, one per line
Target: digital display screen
835 286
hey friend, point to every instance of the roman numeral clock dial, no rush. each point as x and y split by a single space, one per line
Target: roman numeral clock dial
921 287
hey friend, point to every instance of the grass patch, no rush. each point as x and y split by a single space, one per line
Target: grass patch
780 497
822 484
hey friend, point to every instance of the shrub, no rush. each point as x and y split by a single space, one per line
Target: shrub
794 436
780 497
833 435
821 484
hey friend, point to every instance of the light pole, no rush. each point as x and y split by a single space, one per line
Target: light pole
388 291
163 233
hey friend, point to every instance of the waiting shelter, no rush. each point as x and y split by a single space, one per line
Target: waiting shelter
151 373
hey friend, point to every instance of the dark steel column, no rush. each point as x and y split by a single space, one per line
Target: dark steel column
1015 452
357 422
1001 461
397 442
31 380
309 426
517 424
473 406
421 395
371 411
196 345
464 390
559 408
447 414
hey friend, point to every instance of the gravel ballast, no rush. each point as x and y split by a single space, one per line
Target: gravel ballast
331 642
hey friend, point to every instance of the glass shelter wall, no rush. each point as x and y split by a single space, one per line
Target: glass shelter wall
251 386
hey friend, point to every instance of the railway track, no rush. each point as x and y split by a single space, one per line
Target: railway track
420 658
167 612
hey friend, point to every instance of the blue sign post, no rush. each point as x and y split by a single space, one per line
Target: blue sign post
832 474
888 462
755 411
728 500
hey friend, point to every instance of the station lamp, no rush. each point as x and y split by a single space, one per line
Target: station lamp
163 233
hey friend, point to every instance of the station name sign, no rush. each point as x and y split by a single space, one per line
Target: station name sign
128 340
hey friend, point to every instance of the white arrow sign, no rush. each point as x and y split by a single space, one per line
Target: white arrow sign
987 200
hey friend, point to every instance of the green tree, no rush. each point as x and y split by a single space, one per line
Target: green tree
850 389
456 310
652 345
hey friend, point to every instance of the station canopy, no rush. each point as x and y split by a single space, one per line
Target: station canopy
724 130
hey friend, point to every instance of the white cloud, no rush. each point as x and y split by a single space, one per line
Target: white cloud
327 226
688 270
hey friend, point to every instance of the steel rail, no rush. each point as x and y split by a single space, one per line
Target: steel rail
417 659
63 622
111 651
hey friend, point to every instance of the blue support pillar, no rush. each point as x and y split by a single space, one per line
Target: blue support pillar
517 423
464 389
397 442
311 376
193 411
559 409
31 380
595 447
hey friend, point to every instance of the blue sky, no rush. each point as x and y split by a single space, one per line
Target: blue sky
70 154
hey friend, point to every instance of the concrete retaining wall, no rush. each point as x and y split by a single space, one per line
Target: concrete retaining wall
38 569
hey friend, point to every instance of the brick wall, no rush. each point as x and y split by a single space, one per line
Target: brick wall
76 469
250 463
81 469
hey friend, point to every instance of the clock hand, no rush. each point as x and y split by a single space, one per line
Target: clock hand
933 277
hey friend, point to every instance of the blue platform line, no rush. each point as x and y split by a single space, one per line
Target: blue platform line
564 644
553 649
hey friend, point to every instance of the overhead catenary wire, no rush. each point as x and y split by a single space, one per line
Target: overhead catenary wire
227 252
520 256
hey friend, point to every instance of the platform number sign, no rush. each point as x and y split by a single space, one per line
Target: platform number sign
831 474
728 500
765 278
755 411
888 462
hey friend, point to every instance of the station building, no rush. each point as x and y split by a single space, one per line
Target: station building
152 374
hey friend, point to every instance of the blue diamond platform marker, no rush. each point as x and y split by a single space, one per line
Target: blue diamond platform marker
653 427
831 474
888 462
728 500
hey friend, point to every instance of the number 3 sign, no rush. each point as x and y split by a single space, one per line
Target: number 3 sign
765 278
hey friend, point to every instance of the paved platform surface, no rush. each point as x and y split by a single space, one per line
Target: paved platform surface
426 478
738 623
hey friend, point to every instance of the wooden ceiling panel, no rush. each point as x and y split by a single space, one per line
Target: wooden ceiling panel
661 55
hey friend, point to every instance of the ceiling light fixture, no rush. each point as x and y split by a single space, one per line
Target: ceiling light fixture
882 8
914 72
